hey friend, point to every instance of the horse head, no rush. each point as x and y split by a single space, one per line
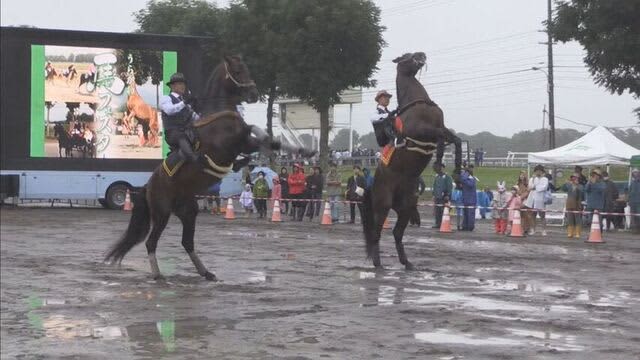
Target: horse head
410 63
229 85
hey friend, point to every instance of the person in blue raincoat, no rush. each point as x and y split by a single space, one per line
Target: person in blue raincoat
483 202
469 199
456 200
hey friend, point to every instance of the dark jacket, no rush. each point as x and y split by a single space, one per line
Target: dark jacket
610 196
315 183
351 187
595 195
284 183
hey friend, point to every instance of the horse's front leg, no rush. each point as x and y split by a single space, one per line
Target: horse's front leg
398 234
187 214
262 141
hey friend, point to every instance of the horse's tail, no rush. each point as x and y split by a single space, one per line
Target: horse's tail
368 225
137 231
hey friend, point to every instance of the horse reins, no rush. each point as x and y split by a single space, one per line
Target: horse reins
238 84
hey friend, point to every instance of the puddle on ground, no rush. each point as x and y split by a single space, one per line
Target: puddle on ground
550 339
443 336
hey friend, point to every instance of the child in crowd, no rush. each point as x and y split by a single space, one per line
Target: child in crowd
246 199
514 203
456 200
260 194
500 212
276 190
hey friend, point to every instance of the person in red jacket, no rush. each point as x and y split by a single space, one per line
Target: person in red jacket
297 186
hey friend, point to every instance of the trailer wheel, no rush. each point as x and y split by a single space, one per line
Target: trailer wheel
103 202
116 195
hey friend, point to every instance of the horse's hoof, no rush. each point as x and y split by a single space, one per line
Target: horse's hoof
210 276
409 267
158 277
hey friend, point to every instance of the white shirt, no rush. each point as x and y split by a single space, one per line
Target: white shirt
168 107
538 186
379 117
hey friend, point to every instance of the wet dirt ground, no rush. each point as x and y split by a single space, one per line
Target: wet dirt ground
299 290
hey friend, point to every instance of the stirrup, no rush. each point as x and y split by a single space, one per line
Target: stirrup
399 145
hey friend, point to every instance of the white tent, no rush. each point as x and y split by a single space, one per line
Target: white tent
598 147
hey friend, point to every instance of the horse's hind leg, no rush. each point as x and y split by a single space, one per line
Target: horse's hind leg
398 233
187 214
159 223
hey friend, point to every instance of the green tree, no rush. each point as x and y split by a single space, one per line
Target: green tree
368 141
331 46
609 32
341 140
254 29
186 17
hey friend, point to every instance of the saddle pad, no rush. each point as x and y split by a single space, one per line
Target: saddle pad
399 125
213 117
174 161
386 154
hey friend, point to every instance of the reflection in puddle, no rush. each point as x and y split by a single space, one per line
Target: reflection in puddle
551 340
443 336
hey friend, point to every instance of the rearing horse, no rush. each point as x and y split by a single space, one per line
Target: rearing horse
222 135
394 186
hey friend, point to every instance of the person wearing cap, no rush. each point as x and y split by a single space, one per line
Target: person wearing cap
382 121
538 185
297 184
595 189
177 116
573 204
634 201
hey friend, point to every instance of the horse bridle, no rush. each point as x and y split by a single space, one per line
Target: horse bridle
238 84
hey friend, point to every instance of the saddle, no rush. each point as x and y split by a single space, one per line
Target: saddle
425 148
174 160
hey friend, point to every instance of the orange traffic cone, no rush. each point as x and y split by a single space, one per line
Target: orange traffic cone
230 213
386 224
516 226
128 206
595 236
326 216
275 217
445 226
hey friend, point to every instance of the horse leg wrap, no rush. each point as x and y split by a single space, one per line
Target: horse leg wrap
202 270
155 270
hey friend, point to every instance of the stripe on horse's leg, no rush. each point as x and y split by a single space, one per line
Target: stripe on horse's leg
155 270
202 270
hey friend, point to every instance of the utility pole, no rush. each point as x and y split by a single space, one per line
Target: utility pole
552 120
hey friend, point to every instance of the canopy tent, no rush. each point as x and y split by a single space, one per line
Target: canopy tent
597 147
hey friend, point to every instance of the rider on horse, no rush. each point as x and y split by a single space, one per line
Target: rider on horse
383 120
177 117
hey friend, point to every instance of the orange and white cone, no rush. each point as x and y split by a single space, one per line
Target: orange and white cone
516 226
128 206
386 224
230 213
275 217
445 226
595 236
326 215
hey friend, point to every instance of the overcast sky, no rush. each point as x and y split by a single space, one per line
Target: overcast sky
470 45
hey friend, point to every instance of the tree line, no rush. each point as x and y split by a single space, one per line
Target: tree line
494 145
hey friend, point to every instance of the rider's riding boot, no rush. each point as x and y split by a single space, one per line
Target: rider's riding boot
379 131
390 132
189 155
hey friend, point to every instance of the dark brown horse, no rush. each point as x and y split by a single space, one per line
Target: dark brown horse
222 134
395 184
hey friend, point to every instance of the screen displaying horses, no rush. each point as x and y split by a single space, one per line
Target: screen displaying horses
98 102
